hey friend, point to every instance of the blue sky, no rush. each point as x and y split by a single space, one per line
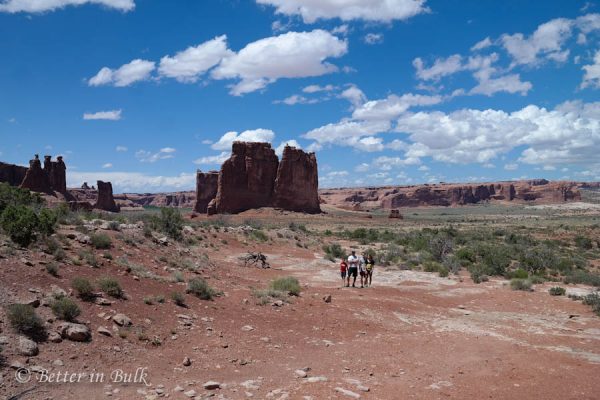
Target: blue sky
144 92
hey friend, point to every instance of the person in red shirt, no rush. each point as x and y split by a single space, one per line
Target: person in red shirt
343 271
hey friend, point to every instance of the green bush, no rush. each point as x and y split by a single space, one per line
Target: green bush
170 222
178 298
582 276
594 301
111 287
14 196
101 241
520 284
431 266
478 274
519 274
52 269
495 258
83 287
466 253
539 258
65 309
23 319
200 288
334 251
443 272
557 291
259 236
583 242
287 284
47 220
20 223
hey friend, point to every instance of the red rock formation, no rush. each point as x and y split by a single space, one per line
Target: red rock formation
395 214
106 201
12 174
207 184
36 178
297 183
247 178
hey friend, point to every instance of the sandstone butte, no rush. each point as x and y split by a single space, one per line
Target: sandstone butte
253 177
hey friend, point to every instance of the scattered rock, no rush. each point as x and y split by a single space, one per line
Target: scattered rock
58 363
74 332
101 301
4 340
54 337
278 303
316 379
104 331
211 385
122 320
300 373
247 328
327 299
348 393
27 347
187 362
190 393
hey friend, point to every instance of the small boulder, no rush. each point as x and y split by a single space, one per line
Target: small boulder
347 393
74 332
211 385
28 347
327 299
54 337
187 362
300 373
104 331
122 320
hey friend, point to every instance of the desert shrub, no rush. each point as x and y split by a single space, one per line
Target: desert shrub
101 241
170 222
83 287
539 258
266 296
443 272
390 254
593 300
201 289
178 276
114 225
495 258
259 235
65 309
478 273
514 238
47 220
52 268
88 257
334 251
14 196
557 291
519 273
287 284
520 284
110 286
148 300
431 266
160 299
20 224
582 276
178 298
537 279
440 246
466 253
23 319
452 264
583 242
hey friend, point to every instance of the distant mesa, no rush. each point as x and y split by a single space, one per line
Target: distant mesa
253 177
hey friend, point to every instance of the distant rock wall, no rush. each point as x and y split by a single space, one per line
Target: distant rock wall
12 174
36 179
207 184
51 178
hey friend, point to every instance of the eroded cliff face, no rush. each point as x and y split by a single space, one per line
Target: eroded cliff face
297 183
539 191
106 200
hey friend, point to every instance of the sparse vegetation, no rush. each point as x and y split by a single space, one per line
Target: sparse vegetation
23 319
52 269
65 309
201 289
84 288
520 284
178 298
101 241
287 284
557 291
593 300
333 252
111 287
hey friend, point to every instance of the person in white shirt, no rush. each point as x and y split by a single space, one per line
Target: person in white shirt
352 268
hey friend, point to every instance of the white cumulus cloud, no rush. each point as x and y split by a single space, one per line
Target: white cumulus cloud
213 160
591 78
254 135
162 154
289 55
113 115
134 182
39 6
188 65
135 71
347 10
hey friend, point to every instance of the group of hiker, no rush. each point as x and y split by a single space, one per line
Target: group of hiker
354 266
